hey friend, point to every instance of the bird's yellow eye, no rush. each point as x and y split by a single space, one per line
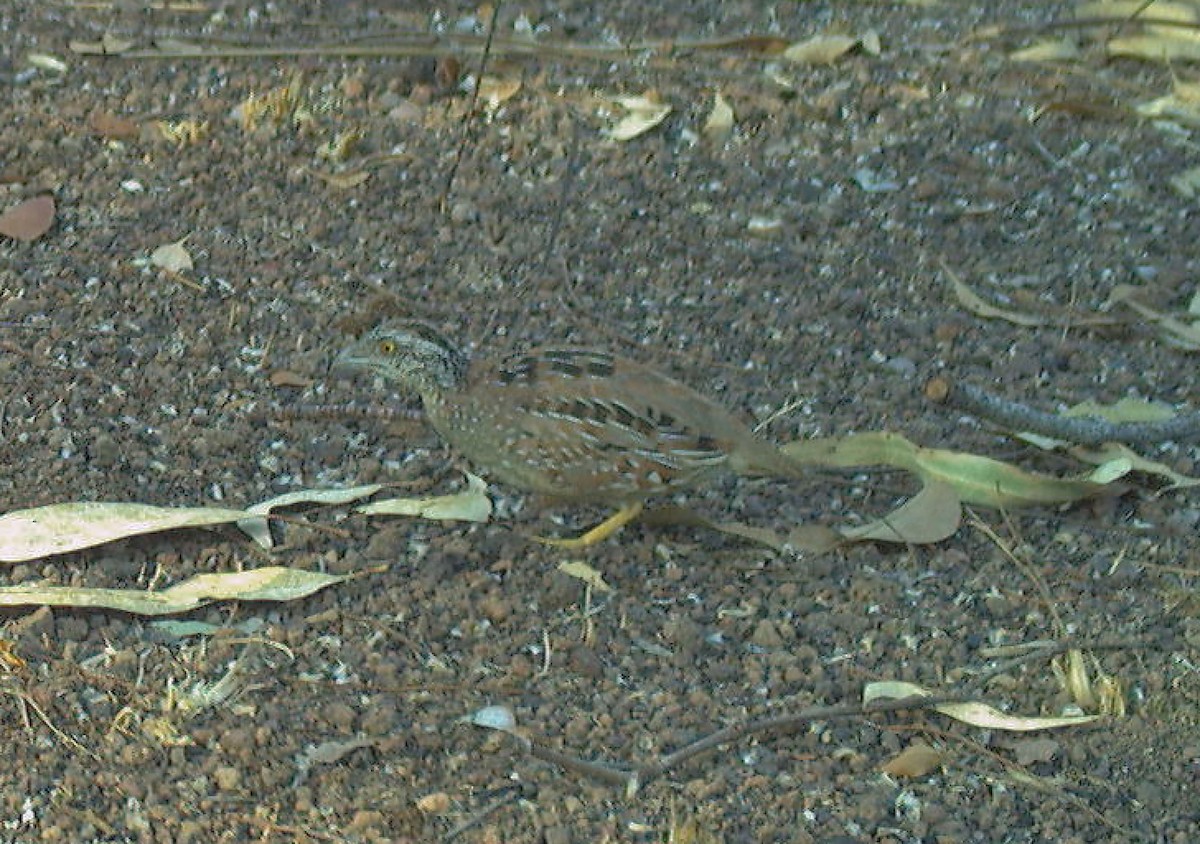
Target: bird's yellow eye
387 347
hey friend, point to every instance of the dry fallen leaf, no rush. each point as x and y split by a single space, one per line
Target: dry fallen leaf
720 120
930 516
1181 106
255 525
287 378
916 760
1174 331
972 712
1063 49
975 479
342 181
43 61
271 583
820 49
470 505
494 90
644 113
59 528
28 220
976 304
1186 183
109 45
582 571
172 257
112 126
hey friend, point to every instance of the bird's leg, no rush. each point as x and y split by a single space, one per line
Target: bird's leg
600 532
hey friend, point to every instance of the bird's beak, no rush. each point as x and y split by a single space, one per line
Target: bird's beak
349 361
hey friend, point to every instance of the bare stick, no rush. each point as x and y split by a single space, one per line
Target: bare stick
466 126
1083 430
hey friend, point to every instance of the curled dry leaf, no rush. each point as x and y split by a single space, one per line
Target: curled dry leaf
172 257
28 220
1181 106
972 712
1186 183
916 760
644 113
820 49
975 479
930 516
494 90
256 526
494 718
720 120
1174 331
470 505
582 571
975 303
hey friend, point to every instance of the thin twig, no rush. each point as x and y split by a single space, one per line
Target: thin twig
1047 650
511 794
466 124
634 778
1083 430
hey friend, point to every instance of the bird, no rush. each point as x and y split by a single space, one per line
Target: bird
574 425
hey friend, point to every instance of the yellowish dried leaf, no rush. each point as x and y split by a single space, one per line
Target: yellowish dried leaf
1058 50
1112 452
1174 331
271 583
974 303
974 713
1181 106
255 525
343 181
109 45
644 112
820 49
720 120
1157 48
494 90
1124 410
59 528
582 571
172 257
870 43
1187 183
975 479
470 505
44 61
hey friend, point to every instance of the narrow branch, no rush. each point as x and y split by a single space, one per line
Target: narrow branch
1082 430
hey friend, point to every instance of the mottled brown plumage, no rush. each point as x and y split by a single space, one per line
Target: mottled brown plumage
571 424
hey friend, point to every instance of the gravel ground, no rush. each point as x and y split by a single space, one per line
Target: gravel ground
800 263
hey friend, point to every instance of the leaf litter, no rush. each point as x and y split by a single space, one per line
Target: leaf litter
55 529
28 220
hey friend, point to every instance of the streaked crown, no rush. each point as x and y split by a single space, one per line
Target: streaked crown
414 355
